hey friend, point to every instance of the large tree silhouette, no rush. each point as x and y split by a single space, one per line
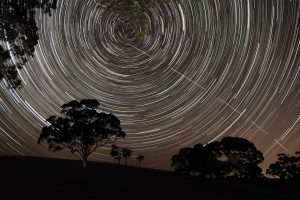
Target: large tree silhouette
231 157
19 34
82 129
205 161
243 157
286 166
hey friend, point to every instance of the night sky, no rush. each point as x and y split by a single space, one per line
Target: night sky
208 69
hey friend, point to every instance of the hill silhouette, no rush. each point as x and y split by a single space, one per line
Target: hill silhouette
47 178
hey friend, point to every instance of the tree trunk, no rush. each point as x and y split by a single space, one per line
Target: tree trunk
84 160
119 160
211 178
84 171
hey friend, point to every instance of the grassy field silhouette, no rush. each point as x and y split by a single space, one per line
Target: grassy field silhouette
46 178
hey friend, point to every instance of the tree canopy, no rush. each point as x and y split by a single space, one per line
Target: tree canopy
82 129
286 166
181 161
19 34
231 157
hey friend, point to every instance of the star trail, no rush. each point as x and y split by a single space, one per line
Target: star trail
207 69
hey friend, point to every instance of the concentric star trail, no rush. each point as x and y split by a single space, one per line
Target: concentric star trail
276 142
208 69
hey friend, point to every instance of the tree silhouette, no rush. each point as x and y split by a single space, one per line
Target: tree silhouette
82 129
126 153
231 157
243 157
181 161
140 158
7 70
204 161
19 34
286 166
116 153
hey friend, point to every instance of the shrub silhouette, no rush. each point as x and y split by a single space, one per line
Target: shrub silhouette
231 157
82 129
286 166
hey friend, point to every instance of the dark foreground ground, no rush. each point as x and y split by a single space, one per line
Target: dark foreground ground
43 178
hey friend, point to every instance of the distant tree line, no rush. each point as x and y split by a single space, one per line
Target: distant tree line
19 34
118 153
232 157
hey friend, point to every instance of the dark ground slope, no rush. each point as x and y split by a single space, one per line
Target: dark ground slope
43 178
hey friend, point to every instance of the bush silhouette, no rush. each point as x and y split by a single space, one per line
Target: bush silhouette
82 129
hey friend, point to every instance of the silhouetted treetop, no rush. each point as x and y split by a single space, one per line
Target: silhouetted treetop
19 32
286 166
